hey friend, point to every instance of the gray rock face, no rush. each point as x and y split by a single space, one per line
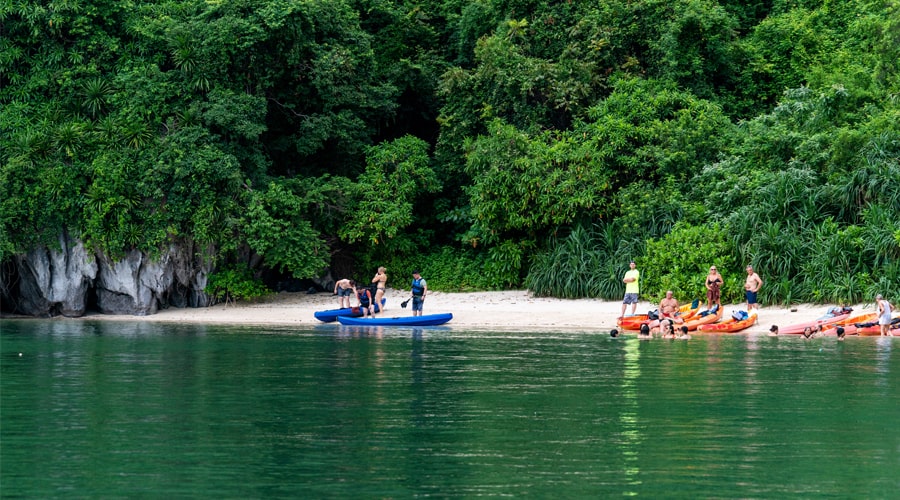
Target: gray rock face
55 282
119 287
326 282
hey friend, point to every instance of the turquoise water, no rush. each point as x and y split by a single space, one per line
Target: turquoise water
122 409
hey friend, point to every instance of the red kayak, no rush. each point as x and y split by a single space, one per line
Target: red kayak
825 321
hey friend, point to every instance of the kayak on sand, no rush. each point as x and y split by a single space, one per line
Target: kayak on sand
634 322
332 314
424 320
834 315
707 317
730 325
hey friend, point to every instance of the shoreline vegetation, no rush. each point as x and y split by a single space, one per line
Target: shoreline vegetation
218 148
494 310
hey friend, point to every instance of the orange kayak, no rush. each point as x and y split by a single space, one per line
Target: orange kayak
729 325
851 322
699 321
862 331
866 328
874 331
635 322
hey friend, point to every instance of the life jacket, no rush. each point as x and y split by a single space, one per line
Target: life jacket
417 289
740 315
363 296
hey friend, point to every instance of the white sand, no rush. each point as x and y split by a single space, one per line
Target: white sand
504 310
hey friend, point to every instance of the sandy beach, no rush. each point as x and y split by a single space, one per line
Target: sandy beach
501 311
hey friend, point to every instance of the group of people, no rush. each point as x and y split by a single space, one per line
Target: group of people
369 305
669 313
668 307
810 332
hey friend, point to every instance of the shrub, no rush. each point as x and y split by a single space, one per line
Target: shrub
680 262
446 269
588 262
233 284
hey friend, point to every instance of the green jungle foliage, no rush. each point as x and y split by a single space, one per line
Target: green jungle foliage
231 284
492 144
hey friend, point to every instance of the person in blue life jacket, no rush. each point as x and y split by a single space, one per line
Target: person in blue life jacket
419 291
364 296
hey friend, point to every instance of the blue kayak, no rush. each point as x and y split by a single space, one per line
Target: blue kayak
424 320
332 314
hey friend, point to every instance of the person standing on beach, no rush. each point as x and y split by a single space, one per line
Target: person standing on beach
344 289
751 288
632 282
380 280
419 291
884 315
713 284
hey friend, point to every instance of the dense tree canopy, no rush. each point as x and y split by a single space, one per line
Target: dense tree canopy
494 143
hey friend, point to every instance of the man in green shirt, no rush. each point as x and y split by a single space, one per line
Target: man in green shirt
632 282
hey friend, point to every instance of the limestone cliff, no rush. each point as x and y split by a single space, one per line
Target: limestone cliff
67 280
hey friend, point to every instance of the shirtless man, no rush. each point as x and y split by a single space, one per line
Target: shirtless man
668 308
751 287
344 289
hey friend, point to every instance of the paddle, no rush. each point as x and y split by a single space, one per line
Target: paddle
403 304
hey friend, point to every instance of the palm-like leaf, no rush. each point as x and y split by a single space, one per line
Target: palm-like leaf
96 94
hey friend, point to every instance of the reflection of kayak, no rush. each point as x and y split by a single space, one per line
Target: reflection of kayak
332 314
729 325
424 320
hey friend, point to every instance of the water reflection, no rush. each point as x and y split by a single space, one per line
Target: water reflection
97 408
631 434
884 345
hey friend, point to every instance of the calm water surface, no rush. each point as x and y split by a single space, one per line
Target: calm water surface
121 409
